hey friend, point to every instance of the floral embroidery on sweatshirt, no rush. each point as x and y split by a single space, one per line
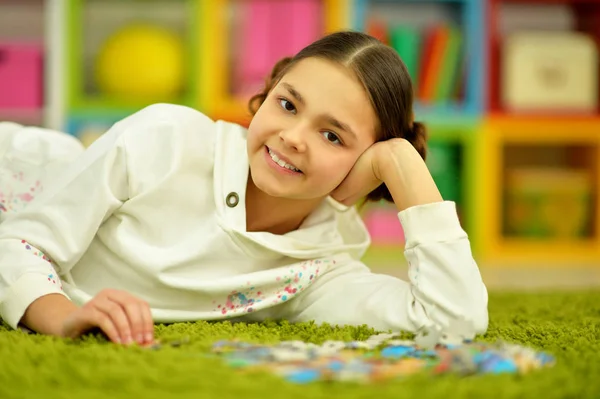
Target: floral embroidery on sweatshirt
14 197
287 285
55 280
35 251
52 276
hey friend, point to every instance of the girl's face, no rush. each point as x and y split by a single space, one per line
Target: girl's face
310 131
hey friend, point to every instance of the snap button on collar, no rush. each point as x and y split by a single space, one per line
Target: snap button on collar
232 200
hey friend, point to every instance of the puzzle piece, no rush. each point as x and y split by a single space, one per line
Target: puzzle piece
335 360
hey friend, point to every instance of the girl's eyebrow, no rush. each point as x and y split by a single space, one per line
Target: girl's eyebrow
330 119
340 125
294 93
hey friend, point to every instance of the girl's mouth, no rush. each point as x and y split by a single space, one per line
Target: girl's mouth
280 163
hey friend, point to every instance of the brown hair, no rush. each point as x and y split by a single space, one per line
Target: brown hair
382 73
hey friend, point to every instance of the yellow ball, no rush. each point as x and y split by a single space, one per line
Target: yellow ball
141 62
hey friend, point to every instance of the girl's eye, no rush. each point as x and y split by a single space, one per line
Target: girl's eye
332 138
288 106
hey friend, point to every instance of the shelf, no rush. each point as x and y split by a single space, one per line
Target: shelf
546 130
543 252
543 117
223 76
474 142
446 86
21 57
520 150
465 139
453 162
546 2
23 116
549 191
508 17
90 26
89 126
22 20
444 113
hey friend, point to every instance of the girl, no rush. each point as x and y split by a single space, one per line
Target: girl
172 217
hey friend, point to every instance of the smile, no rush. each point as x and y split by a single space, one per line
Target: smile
281 162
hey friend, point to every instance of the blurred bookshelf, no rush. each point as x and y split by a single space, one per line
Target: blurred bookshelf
508 90
440 43
542 131
245 40
540 196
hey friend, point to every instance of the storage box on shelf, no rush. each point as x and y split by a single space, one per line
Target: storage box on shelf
123 55
543 57
540 198
441 45
21 81
22 56
245 38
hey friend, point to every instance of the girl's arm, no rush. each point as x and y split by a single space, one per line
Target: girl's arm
405 174
444 283
44 240
396 163
47 238
45 315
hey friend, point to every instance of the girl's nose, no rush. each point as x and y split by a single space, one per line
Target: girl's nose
294 138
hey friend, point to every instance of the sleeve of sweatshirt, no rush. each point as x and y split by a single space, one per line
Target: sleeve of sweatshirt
444 282
46 238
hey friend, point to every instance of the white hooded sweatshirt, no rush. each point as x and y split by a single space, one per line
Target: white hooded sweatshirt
156 207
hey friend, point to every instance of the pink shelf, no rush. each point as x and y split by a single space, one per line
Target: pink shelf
33 116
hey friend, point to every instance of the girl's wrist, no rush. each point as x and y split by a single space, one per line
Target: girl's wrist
406 175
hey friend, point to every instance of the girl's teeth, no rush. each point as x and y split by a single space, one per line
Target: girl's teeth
281 162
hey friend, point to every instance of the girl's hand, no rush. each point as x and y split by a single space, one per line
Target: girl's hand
363 178
122 317
396 163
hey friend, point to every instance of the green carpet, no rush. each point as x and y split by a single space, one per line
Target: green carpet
566 325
